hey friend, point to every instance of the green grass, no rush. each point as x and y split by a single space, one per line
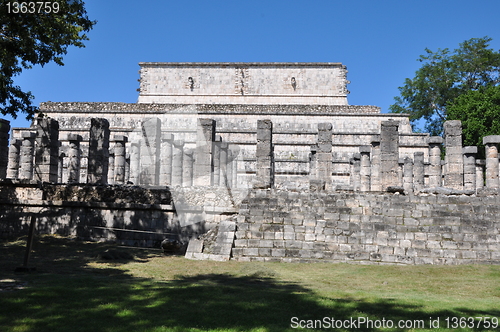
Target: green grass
73 290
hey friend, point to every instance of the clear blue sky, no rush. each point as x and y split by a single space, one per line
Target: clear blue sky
378 41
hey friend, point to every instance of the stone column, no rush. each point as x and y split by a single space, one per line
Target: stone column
97 172
480 173
229 167
313 163
216 159
265 155
26 155
375 165
187 168
150 152
135 162
111 165
177 158
324 157
470 167
120 162
401 162
127 165
166 159
491 146
203 167
60 162
232 165
223 164
74 155
47 150
4 147
355 162
426 172
235 150
408 172
14 153
454 162
389 153
365 166
435 174
418 171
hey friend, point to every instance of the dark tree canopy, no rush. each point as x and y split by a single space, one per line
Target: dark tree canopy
443 77
479 111
33 35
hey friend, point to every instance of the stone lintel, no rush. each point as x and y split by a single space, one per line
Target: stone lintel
119 138
435 140
469 150
28 134
492 139
74 137
365 149
390 123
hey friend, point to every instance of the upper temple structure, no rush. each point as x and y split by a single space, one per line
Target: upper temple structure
252 161
243 83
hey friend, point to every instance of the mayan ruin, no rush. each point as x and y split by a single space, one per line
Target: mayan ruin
252 162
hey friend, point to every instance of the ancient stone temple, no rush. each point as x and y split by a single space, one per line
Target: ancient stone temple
268 157
184 106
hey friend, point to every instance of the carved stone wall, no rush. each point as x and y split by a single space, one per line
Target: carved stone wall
243 83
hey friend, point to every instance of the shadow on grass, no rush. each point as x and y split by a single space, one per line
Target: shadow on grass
109 300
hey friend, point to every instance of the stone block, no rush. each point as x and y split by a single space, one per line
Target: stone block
194 246
278 252
264 252
435 140
266 244
491 139
241 243
469 150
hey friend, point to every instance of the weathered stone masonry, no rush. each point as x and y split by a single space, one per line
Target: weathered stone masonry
315 179
369 228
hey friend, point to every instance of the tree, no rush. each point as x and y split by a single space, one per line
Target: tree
35 33
479 111
443 77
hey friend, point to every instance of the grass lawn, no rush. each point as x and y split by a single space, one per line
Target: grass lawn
75 289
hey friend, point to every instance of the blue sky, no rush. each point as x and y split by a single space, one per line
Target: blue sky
378 41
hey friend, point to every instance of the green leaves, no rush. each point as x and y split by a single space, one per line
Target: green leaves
443 77
479 111
28 39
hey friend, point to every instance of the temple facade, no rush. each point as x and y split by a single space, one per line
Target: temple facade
173 97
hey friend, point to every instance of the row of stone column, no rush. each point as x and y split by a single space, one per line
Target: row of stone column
177 165
161 159
26 162
413 171
164 161
459 170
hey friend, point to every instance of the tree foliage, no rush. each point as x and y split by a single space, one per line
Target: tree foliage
35 36
443 77
479 111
